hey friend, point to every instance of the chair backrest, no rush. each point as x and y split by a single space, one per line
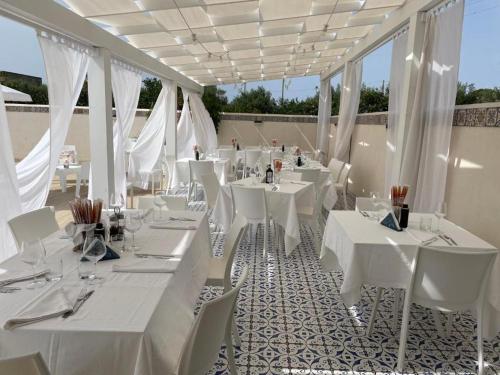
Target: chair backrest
228 153
33 225
252 157
231 243
292 176
249 202
201 349
174 202
198 168
309 174
344 174
335 166
211 186
371 204
438 279
31 364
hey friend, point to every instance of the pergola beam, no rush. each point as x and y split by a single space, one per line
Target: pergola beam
49 15
393 23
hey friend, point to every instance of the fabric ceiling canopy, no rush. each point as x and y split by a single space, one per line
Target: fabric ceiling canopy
216 41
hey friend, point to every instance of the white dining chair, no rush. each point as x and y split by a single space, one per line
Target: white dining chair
198 168
310 175
291 176
437 282
371 204
31 364
251 203
211 328
252 158
33 225
211 186
335 166
343 181
230 154
173 202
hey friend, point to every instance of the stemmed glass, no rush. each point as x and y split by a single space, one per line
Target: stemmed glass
133 223
159 202
32 253
94 249
441 213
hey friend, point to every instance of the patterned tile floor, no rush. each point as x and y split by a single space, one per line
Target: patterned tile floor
292 321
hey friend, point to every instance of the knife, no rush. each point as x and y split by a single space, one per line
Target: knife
78 304
159 256
451 239
443 237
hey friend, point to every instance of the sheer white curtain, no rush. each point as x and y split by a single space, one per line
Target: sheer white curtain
425 159
66 64
126 84
324 114
10 204
349 104
147 150
203 124
398 60
186 137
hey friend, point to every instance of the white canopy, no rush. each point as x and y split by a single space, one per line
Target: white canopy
11 95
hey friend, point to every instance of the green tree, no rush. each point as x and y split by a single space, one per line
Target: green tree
38 93
214 100
150 90
257 100
373 100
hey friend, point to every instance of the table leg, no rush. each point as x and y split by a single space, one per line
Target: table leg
397 299
62 182
78 183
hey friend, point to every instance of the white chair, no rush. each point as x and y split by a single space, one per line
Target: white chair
33 225
230 154
251 203
310 175
335 166
292 176
437 282
343 181
252 158
211 328
174 202
31 364
83 177
211 185
198 168
371 204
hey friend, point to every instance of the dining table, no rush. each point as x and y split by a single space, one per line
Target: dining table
64 171
135 323
369 253
285 200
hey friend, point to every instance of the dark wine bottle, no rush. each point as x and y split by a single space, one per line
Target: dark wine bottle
269 174
197 155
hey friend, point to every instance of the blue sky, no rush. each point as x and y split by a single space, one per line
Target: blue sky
480 55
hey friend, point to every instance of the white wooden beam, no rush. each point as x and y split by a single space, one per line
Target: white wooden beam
171 130
381 33
47 14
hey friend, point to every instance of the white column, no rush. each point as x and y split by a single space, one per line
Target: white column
413 53
101 125
171 129
324 114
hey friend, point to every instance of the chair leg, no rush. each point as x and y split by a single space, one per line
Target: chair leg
266 238
236 333
230 353
344 194
374 311
480 354
404 336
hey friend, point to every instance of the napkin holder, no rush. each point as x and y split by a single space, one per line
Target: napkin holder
390 221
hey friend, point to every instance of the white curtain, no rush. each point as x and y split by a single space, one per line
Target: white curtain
349 104
66 65
10 204
186 138
204 127
324 114
398 63
147 150
425 159
126 85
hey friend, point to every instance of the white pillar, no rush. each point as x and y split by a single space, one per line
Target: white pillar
171 129
413 53
101 125
324 114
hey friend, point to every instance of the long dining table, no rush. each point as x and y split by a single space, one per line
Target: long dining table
133 324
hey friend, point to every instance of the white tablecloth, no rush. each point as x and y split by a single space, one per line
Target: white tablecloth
283 206
222 168
133 323
369 253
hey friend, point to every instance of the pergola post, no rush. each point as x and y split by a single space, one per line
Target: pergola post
412 62
324 114
171 128
101 125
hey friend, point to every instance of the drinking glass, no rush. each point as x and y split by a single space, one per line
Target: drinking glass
55 265
32 253
258 174
159 201
94 249
426 223
133 223
441 214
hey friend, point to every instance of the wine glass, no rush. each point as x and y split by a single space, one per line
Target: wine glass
32 253
94 249
258 174
133 223
441 213
159 202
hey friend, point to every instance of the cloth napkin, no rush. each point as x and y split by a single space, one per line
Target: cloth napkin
147 266
75 231
51 305
16 276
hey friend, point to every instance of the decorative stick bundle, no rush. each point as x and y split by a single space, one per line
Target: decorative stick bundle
85 211
398 195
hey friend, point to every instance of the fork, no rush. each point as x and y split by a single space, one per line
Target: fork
80 297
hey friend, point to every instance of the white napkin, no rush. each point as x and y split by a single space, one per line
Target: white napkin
11 277
147 266
51 305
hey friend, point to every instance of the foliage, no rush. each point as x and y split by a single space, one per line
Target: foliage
257 100
214 100
373 100
468 94
150 90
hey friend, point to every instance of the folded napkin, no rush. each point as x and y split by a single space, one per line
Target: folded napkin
12 277
420 236
182 225
51 305
152 265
